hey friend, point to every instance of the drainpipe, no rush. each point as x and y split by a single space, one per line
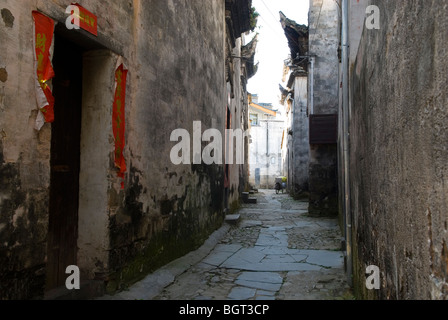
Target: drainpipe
267 139
312 60
346 138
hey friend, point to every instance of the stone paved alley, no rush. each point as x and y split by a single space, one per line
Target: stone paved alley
274 252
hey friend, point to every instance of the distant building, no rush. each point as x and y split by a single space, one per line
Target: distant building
265 152
311 95
295 142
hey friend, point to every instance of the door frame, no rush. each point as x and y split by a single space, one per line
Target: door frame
96 149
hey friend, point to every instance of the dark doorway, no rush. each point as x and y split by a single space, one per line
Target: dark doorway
257 177
65 162
226 165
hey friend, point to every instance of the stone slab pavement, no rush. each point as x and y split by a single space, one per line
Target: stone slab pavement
275 252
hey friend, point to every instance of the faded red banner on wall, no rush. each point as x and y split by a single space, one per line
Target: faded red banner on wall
119 120
86 20
43 39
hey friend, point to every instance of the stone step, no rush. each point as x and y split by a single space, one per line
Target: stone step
246 199
233 218
252 201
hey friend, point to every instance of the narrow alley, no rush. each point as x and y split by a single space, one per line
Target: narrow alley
142 143
275 251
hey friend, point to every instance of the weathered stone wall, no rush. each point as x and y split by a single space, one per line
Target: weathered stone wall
301 138
174 51
296 140
357 19
238 106
24 160
168 210
324 44
399 134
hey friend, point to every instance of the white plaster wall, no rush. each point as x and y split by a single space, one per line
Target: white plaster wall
263 150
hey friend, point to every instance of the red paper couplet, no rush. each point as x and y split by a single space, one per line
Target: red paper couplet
44 29
119 124
86 20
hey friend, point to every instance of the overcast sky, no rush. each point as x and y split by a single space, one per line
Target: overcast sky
273 48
